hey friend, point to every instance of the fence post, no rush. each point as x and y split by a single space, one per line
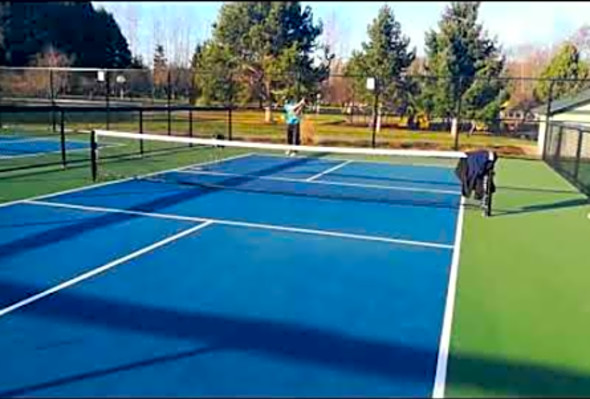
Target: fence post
298 83
93 155
169 103
352 107
231 105
547 118
190 125
578 153
141 131
458 99
62 134
108 98
558 147
52 96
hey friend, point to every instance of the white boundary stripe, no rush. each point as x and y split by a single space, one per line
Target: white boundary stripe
100 269
325 172
445 337
282 147
371 161
92 186
226 222
324 182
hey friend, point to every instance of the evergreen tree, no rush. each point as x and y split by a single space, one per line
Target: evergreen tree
268 46
465 64
566 64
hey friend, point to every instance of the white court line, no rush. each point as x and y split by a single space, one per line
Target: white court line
92 186
100 269
445 337
361 160
325 172
324 182
263 226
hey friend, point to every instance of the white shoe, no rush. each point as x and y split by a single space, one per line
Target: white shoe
287 152
292 154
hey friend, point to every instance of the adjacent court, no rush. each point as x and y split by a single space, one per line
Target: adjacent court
16 146
302 277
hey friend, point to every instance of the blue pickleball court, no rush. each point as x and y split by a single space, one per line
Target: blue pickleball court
301 277
17 146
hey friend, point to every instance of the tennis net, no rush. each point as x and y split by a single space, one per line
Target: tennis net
382 175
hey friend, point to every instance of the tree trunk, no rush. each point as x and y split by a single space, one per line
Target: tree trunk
268 109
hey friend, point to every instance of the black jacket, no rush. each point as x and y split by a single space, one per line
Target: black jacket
472 171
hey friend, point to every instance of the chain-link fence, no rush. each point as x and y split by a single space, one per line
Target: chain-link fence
53 135
567 150
506 114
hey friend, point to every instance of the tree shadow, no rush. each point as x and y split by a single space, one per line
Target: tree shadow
456 184
189 187
70 379
390 360
70 230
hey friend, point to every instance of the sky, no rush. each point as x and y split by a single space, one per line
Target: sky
512 23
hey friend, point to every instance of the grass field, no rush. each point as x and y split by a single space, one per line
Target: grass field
250 125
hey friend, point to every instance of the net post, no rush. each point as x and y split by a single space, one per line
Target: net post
488 182
62 135
93 155
489 194
141 131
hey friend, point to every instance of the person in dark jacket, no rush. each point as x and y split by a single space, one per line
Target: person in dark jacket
472 171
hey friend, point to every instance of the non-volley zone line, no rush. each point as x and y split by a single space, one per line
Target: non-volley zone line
226 222
324 182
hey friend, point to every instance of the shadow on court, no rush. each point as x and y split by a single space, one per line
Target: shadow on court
292 341
71 230
238 183
570 203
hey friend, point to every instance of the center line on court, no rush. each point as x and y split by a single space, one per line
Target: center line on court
325 172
